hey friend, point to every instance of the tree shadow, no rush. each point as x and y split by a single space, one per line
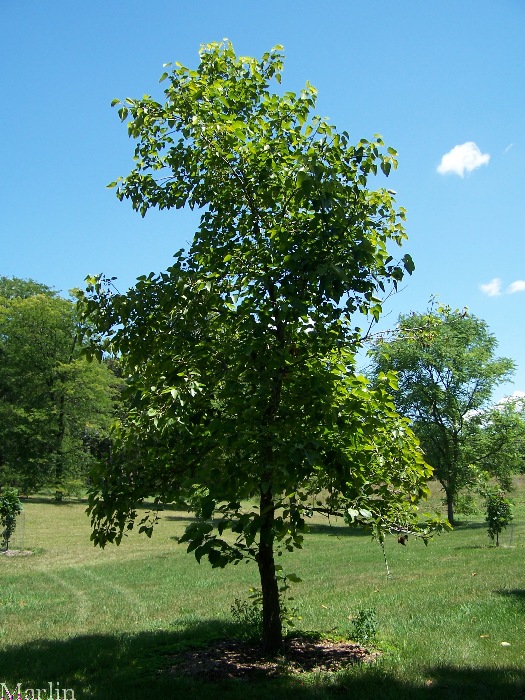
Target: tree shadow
50 501
337 530
467 525
516 595
110 667
441 683
473 683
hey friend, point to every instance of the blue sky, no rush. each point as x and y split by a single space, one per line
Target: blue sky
443 83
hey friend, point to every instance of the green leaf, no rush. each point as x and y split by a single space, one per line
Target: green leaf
408 263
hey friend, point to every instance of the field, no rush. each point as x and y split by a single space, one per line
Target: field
107 623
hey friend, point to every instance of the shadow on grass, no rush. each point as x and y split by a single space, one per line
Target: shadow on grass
45 499
467 525
180 518
337 530
50 501
516 595
129 667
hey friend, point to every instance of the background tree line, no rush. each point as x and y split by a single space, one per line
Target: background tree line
55 406
447 370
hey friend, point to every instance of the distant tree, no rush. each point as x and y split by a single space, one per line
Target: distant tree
495 440
51 399
240 358
447 371
10 509
499 514
16 288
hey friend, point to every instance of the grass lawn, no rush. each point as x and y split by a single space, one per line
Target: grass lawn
106 622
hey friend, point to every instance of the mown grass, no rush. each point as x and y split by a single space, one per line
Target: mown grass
107 622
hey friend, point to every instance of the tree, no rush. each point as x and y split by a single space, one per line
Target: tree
239 358
447 370
495 440
499 514
16 288
10 509
52 401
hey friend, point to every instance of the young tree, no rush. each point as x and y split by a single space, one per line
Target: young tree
447 370
499 514
240 358
10 509
52 401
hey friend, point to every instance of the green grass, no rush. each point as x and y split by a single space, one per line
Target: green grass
105 622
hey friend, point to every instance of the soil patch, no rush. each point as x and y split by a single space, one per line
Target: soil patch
241 659
16 552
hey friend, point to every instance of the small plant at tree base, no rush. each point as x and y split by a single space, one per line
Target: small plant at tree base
10 509
499 514
364 626
248 614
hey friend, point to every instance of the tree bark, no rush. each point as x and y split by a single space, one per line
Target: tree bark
272 636
450 507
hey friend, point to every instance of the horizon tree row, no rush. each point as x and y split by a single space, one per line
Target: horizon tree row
447 370
55 407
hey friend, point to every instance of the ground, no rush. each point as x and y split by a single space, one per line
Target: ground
242 659
16 552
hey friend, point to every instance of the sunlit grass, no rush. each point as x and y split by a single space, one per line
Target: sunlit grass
102 621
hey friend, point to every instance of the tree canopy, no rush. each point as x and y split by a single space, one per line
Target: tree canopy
447 371
239 359
17 288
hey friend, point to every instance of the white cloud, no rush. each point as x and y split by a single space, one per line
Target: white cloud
517 399
519 395
517 286
492 288
466 157
516 396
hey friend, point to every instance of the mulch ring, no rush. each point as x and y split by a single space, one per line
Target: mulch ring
16 552
241 659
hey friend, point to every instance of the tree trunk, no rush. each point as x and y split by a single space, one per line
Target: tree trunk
61 434
450 507
272 636
60 466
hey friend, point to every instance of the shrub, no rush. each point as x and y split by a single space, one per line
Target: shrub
364 626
